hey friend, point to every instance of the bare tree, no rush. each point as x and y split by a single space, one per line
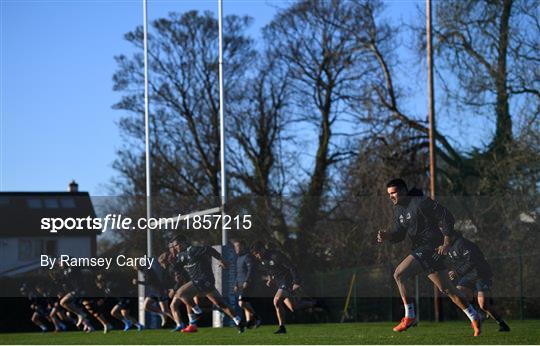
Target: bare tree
325 68
258 164
183 64
489 46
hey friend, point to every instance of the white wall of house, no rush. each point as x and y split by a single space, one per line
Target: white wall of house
20 251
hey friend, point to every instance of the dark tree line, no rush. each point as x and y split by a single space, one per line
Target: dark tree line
318 120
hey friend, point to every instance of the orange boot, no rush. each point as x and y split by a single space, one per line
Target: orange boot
477 327
192 328
406 323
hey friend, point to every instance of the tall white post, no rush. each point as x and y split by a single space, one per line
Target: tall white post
217 316
224 235
148 156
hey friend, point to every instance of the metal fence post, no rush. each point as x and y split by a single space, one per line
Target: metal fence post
355 301
521 312
390 283
417 296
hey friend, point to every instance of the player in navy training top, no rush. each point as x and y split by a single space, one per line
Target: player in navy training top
197 261
472 274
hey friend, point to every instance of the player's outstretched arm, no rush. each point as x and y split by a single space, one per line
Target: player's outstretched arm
285 262
396 234
436 211
214 253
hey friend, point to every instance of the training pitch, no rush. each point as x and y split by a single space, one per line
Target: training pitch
523 332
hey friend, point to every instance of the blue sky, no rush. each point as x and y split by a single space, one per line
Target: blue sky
56 121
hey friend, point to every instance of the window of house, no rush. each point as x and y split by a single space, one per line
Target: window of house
25 250
67 202
34 203
38 245
4 201
51 203
51 248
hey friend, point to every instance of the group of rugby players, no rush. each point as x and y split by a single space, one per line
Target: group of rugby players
183 275
252 264
72 296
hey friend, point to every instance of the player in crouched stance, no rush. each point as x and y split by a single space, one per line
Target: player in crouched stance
197 261
283 275
429 225
120 310
473 275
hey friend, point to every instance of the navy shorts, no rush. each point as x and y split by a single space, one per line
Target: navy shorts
475 283
245 294
285 284
123 303
157 294
429 259
43 310
204 285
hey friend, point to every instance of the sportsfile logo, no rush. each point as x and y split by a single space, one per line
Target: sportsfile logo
120 223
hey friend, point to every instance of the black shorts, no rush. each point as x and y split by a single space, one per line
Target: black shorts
474 282
285 284
78 292
95 305
204 285
245 294
158 294
429 259
162 298
43 310
123 303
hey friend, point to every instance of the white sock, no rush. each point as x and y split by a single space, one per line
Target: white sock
237 320
409 311
196 309
192 319
471 313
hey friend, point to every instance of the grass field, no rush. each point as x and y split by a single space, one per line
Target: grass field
523 332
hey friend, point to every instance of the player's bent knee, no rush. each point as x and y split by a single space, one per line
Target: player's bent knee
447 291
221 305
174 303
398 275
483 305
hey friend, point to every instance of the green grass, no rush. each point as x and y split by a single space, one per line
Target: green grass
523 332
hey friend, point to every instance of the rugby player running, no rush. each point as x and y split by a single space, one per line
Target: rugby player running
283 275
197 261
473 275
429 225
